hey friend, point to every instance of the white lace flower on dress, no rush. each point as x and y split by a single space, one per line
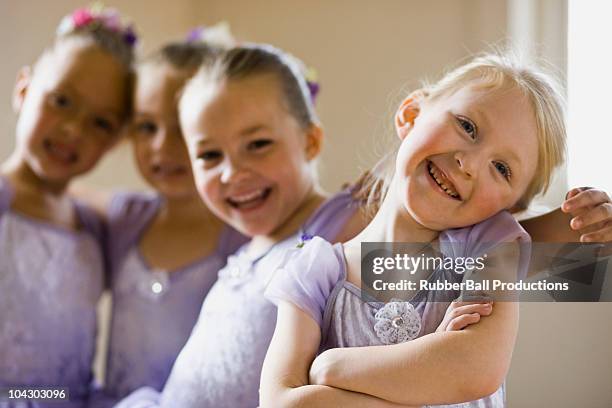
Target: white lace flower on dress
397 322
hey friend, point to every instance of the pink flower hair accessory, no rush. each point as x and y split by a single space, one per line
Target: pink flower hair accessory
98 16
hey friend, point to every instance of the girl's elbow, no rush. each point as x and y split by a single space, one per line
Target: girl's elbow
269 398
484 384
279 397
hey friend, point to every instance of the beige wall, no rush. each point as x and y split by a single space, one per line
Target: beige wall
365 52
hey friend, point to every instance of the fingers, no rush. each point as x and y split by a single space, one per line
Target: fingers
604 234
575 191
600 214
461 322
483 309
584 198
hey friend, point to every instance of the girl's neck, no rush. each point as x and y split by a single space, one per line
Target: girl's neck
38 198
393 223
312 201
23 178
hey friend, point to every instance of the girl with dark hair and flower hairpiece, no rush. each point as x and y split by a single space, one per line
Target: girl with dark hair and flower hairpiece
71 107
165 247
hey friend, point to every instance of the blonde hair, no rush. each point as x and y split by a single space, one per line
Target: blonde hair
494 72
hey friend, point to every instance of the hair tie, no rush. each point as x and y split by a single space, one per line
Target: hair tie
98 16
218 35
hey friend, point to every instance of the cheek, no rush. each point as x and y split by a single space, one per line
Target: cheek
208 185
419 145
490 201
33 122
140 150
97 148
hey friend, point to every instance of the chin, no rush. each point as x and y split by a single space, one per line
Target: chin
432 220
251 229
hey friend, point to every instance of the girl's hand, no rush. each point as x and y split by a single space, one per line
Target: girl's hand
592 212
459 315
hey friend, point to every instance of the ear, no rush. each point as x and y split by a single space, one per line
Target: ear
24 78
407 113
314 141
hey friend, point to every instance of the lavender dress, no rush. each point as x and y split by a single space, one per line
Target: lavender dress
221 363
315 281
50 282
153 310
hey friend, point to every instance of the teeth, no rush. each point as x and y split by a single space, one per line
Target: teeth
247 197
437 176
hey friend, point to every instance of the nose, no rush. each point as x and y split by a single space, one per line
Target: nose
466 163
232 171
74 128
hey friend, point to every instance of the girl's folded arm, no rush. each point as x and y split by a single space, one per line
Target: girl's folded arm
284 379
447 367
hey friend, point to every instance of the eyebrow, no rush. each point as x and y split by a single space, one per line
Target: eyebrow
252 129
243 133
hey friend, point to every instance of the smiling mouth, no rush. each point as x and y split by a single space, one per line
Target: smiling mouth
60 152
165 170
442 181
249 200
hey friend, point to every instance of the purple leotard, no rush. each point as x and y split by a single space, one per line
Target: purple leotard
50 282
221 363
153 310
315 281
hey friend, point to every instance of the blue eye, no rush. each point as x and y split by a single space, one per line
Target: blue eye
503 169
468 126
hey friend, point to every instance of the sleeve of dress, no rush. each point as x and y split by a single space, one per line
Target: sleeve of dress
307 278
486 236
144 397
497 230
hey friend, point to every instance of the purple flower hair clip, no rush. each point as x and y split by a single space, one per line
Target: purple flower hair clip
313 85
218 35
98 15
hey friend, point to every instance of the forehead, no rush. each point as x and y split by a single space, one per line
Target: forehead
158 86
85 69
230 106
